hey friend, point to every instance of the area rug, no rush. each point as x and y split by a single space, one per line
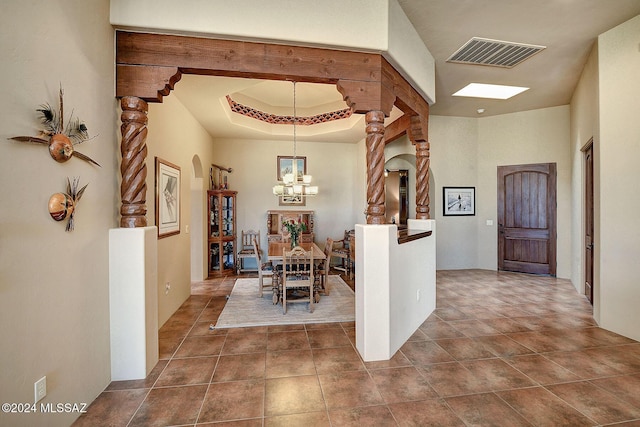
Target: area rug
245 308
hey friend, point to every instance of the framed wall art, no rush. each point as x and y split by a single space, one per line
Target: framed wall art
458 201
285 166
167 198
293 200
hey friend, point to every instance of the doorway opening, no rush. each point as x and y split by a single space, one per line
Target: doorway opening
396 184
588 220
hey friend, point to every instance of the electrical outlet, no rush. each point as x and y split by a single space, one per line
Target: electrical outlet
418 295
40 389
167 288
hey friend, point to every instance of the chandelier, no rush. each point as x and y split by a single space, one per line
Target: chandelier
295 183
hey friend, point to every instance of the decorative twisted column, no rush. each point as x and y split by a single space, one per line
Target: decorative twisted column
375 167
133 189
422 180
418 136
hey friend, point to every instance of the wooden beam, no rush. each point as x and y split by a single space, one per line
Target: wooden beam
407 98
363 97
150 83
195 55
397 129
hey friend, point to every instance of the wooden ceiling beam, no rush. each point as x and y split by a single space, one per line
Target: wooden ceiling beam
366 80
397 128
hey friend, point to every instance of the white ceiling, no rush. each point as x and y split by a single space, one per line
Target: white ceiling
568 29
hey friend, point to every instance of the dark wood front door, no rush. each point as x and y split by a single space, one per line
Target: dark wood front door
527 218
588 221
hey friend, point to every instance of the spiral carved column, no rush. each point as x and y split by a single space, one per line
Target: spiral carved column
133 189
422 180
418 134
375 167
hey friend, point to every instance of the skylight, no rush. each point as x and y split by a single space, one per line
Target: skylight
482 90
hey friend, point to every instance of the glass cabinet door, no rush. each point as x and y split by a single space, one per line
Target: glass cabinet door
227 215
214 256
214 216
228 256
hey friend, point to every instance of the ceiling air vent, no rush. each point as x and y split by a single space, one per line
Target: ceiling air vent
494 52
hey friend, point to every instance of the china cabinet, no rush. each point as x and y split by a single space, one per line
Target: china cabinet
221 231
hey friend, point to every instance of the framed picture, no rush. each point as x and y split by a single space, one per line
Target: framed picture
296 200
459 201
285 166
167 198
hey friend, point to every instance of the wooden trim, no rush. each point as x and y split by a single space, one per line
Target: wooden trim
407 235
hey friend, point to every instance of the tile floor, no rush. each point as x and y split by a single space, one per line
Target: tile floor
501 349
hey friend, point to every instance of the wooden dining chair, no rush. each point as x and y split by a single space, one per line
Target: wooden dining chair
264 269
322 276
341 251
352 255
245 249
297 278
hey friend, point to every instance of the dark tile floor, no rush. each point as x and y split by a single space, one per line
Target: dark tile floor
501 349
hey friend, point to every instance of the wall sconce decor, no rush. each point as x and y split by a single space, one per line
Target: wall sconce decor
63 205
60 139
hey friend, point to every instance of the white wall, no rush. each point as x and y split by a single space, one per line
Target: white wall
537 136
584 126
454 163
395 287
175 136
466 152
54 289
619 104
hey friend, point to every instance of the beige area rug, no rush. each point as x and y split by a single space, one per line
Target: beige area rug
245 308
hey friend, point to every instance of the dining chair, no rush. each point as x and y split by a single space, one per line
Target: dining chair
322 278
264 269
297 278
341 251
352 255
245 249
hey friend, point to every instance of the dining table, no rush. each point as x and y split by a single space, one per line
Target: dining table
276 250
275 254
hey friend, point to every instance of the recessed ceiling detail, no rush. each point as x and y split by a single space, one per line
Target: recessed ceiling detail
287 120
496 53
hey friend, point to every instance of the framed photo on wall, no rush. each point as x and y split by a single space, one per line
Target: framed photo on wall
458 201
167 198
295 200
285 166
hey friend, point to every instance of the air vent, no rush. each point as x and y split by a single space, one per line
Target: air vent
494 52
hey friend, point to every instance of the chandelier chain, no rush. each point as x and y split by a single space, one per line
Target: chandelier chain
295 119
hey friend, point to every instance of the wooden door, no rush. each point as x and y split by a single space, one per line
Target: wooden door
588 231
527 218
